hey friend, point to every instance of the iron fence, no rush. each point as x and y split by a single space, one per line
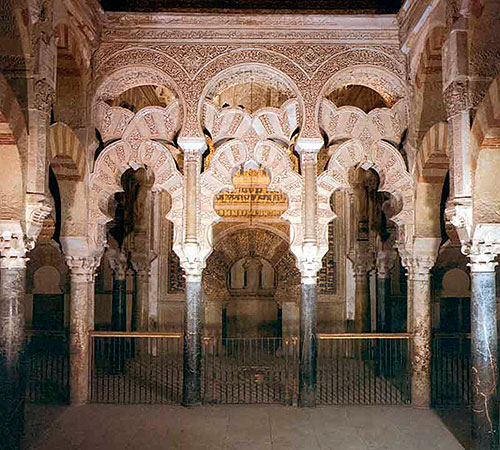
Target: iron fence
363 369
131 368
250 370
47 361
450 370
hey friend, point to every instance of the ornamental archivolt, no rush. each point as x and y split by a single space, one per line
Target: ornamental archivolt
360 139
135 148
235 154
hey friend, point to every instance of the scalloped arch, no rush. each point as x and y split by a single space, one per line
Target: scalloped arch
382 80
105 181
227 159
243 73
115 83
385 160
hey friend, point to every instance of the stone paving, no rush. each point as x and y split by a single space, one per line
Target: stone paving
240 427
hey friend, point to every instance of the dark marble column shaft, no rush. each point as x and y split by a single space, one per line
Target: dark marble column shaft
362 309
191 387
119 304
383 304
484 345
143 299
308 346
12 385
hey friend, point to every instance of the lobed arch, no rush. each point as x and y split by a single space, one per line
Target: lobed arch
115 83
105 181
235 154
244 73
387 83
394 179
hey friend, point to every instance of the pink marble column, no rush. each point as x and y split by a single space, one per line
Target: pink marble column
82 272
419 275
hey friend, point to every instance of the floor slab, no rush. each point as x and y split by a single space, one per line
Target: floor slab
238 427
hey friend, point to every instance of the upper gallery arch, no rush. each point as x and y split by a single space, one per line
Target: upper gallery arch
250 97
140 100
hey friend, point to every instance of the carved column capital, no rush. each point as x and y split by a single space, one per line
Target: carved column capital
13 246
192 261
385 262
141 265
82 268
484 248
309 262
118 263
308 148
420 258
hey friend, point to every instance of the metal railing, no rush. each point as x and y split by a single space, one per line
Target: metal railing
250 370
363 369
450 370
47 366
130 368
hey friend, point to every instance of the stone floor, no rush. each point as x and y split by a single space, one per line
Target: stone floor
110 427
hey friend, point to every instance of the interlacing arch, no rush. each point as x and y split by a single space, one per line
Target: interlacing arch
106 181
137 146
368 140
234 155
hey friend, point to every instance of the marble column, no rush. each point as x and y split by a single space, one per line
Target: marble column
385 262
309 261
421 332
362 311
82 272
142 273
484 346
308 343
119 302
191 387
12 378
193 263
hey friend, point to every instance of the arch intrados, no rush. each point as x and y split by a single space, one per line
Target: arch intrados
258 72
486 127
116 83
385 83
228 237
421 49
